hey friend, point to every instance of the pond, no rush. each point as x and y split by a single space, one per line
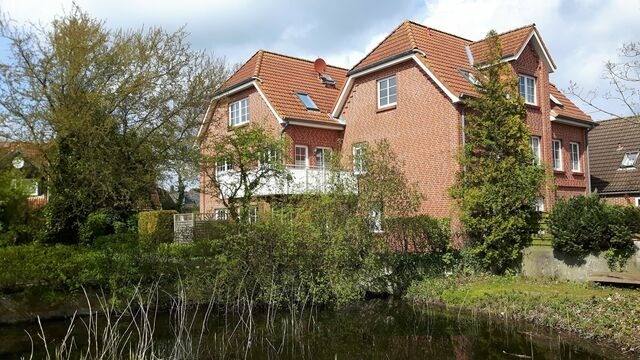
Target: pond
376 329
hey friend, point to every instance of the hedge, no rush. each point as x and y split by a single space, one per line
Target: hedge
156 226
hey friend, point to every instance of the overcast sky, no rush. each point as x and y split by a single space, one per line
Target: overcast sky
580 34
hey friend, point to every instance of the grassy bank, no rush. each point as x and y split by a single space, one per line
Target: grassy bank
606 314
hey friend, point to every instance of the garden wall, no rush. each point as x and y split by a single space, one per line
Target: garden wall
541 261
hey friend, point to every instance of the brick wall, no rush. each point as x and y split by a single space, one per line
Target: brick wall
628 199
569 183
422 129
312 138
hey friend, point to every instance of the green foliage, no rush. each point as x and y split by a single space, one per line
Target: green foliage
420 233
586 225
99 223
109 110
17 220
499 183
156 226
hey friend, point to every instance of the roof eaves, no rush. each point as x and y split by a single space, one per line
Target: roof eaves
380 62
234 86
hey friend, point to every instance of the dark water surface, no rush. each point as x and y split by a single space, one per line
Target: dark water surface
377 329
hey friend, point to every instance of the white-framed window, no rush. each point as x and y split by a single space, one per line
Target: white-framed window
375 219
268 158
221 214
540 204
575 157
527 85
638 201
387 92
557 155
359 152
629 159
223 166
239 112
534 142
253 215
301 156
322 157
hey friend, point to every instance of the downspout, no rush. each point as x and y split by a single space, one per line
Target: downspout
586 142
463 137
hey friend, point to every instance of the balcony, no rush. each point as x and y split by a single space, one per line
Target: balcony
301 180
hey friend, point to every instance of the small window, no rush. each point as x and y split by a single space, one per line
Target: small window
629 159
527 85
306 100
638 201
359 159
557 155
375 219
535 149
221 214
268 159
253 215
387 95
239 112
575 157
301 157
540 204
224 166
322 157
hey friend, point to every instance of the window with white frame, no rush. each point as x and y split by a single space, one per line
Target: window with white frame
253 215
534 142
322 157
359 152
557 155
221 214
387 92
223 166
239 112
540 204
375 219
527 85
301 156
575 157
629 159
638 201
269 158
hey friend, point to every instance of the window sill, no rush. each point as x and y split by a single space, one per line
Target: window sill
577 173
231 127
559 171
532 106
386 108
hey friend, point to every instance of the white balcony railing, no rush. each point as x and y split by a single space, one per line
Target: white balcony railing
301 180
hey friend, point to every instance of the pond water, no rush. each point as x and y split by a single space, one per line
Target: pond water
376 329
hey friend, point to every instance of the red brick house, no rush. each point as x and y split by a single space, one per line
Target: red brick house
408 90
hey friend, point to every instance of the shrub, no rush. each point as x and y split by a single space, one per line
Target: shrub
585 225
156 226
420 233
99 223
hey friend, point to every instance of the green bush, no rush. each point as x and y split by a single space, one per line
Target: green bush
420 233
99 223
156 226
586 225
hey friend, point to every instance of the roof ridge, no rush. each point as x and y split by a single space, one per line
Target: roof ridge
380 43
438 30
256 69
412 40
623 118
298 58
532 25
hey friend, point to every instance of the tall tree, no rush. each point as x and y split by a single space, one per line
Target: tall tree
499 182
106 107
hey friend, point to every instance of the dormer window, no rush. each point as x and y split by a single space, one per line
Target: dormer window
239 112
527 86
306 101
387 93
629 159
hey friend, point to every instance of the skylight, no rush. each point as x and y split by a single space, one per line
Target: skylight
629 159
327 79
306 100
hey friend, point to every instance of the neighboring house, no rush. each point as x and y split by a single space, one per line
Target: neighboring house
23 156
288 96
408 90
614 151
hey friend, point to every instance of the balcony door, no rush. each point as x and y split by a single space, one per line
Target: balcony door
302 157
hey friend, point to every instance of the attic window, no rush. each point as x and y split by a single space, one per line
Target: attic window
327 79
629 159
306 100
469 76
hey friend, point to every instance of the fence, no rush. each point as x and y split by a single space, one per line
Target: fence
187 227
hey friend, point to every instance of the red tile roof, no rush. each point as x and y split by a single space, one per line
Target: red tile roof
567 109
282 76
511 41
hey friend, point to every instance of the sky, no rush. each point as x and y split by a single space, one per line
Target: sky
581 35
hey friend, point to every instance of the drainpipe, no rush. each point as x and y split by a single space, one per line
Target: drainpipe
463 138
586 148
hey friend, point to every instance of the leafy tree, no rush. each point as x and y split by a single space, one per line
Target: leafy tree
499 183
107 108
623 77
241 162
14 209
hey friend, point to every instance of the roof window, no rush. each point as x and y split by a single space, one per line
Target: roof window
629 159
306 100
327 79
